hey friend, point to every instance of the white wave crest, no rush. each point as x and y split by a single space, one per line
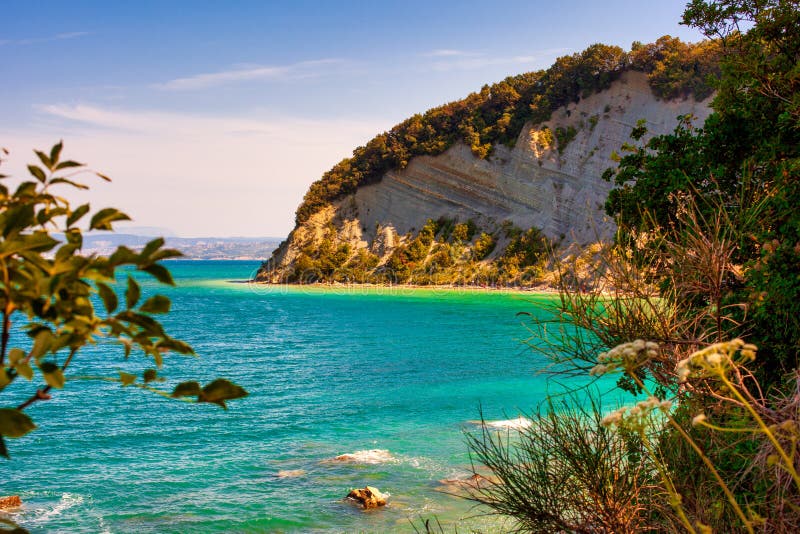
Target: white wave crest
517 423
67 501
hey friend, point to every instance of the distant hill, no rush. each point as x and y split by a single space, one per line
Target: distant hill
194 248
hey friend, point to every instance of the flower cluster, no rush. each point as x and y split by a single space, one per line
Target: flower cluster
626 356
715 359
636 416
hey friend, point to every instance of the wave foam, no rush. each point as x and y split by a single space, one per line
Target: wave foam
67 501
517 423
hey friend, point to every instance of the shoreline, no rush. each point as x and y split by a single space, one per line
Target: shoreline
388 288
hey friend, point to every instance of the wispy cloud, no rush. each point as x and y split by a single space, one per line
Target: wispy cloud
37 40
303 69
451 59
146 122
449 52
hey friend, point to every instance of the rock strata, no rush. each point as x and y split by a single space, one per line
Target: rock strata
538 183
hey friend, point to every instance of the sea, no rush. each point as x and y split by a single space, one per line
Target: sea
393 377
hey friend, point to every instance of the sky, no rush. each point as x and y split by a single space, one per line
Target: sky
213 118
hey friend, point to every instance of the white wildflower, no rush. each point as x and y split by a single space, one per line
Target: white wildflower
598 370
682 370
614 418
699 419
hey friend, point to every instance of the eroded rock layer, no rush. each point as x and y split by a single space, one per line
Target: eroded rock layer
550 180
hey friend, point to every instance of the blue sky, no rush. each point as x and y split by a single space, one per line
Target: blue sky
214 117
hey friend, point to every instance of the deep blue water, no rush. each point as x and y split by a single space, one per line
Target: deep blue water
329 372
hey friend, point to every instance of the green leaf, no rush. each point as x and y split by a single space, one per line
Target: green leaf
48 214
15 356
74 237
160 272
79 212
39 241
5 378
220 390
26 189
151 247
55 379
123 255
68 165
55 152
150 375
165 253
42 342
14 423
102 219
52 375
108 296
37 173
16 219
76 185
24 370
44 159
175 345
126 378
156 304
147 323
127 345
3 449
132 294
187 389
64 252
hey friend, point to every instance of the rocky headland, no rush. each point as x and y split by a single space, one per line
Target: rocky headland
482 214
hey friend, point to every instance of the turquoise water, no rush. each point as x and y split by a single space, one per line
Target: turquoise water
329 372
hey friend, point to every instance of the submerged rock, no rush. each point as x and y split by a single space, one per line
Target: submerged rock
476 481
372 456
290 473
10 501
368 497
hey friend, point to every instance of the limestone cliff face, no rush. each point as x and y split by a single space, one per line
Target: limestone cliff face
538 183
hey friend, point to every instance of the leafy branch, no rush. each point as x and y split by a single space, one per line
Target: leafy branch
64 300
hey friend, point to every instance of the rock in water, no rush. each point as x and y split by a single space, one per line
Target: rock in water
368 497
290 473
372 456
11 501
460 485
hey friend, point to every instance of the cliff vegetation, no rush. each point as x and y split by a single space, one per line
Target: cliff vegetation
497 113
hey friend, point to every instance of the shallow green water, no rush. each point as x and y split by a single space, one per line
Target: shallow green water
329 372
